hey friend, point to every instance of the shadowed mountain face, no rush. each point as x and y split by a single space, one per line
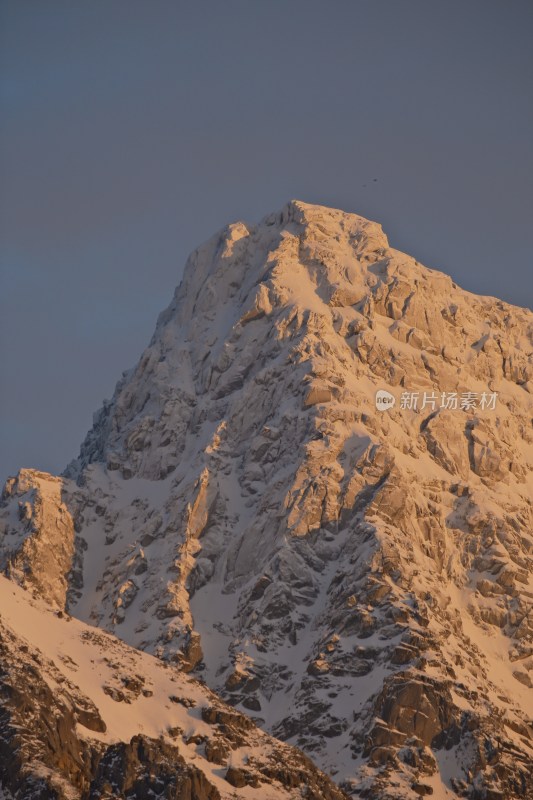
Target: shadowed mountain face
355 575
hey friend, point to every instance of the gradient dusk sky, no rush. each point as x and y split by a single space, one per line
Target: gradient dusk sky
131 131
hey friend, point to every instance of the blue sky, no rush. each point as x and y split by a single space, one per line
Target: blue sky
133 130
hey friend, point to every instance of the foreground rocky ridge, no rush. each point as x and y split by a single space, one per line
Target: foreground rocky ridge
359 581
85 716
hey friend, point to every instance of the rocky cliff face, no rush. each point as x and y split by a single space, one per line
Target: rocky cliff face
357 580
38 542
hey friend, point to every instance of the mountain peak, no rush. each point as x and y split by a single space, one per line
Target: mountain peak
298 229
307 214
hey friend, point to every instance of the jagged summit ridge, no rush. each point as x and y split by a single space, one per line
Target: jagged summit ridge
359 581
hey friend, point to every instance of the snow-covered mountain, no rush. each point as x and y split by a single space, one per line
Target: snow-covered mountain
358 580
